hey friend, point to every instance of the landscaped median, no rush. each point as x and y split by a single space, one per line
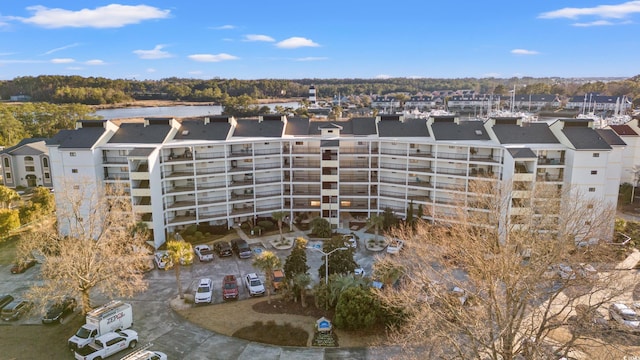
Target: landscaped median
233 319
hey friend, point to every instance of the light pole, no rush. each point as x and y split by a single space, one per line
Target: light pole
326 260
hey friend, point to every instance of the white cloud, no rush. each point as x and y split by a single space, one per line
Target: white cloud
296 42
60 48
618 11
151 70
312 58
109 16
224 27
212 57
155 53
524 52
95 62
383 76
593 23
255 37
62 61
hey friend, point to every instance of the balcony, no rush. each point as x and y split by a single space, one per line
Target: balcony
420 153
452 155
384 151
419 182
348 179
354 165
450 186
181 204
266 194
422 169
240 153
114 160
267 180
306 164
176 174
390 180
393 166
305 150
306 178
212 185
354 150
452 171
177 189
550 161
244 210
203 155
273 151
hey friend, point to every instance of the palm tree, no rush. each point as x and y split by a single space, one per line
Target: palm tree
267 261
179 251
279 216
301 281
377 221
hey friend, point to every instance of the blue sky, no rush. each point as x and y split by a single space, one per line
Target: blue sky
154 39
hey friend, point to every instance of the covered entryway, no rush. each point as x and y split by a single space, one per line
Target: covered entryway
31 180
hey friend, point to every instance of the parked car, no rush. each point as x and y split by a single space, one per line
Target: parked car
359 271
58 310
277 279
22 266
253 283
230 287
15 309
162 259
624 316
5 300
222 248
350 240
107 345
241 248
203 252
395 246
145 354
204 293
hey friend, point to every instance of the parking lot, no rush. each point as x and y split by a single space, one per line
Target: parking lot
155 322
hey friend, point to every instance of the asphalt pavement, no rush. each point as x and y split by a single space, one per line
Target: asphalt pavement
156 322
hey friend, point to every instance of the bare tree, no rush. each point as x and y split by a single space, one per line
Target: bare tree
501 278
96 252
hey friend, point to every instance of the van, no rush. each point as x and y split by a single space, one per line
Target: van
113 316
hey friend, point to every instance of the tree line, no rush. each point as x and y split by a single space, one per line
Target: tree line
98 90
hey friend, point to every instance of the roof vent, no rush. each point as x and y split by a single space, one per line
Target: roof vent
185 132
478 132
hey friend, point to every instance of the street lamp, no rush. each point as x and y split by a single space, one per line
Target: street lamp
326 260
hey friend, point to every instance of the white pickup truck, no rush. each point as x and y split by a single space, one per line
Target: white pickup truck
107 345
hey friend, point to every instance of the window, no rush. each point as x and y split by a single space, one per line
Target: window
74 171
300 143
592 189
122 152
594 172
72 154
28 158
30 168
6 162
7 175
47 176
361 143
45 162
596 154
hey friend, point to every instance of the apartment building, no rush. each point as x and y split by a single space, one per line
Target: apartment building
26 165
224 171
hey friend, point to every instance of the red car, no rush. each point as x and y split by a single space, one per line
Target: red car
22 266
230 287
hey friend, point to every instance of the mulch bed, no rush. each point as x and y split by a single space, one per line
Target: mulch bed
270 333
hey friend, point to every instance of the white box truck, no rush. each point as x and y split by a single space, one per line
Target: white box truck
115 315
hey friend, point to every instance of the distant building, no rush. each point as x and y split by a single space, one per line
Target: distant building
26 164
386 104
535 102
594 102
20 98
421 103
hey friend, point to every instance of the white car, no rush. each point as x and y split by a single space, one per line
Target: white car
253 283
359 272
350 240
162 260
395 246
625 316
203 252
204 293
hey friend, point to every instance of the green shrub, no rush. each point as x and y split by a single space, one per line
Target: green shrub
190 230
266 224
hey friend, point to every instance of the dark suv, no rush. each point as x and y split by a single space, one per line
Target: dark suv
241 248
4 300
222 248
58 310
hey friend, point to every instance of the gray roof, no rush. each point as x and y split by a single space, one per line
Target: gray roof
297 126
141 152
83 138
198 130
522 153
33 146
467 130
585 138
364 126
408 128
254 128
611 137
137 133
533 133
